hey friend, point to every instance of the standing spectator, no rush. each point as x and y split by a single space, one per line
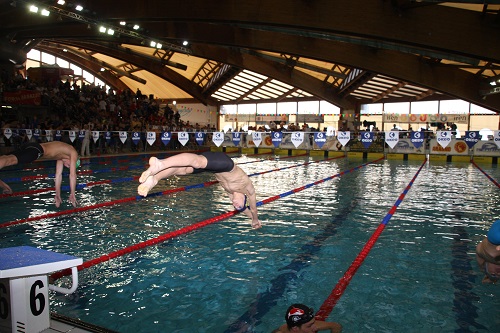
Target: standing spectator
85 151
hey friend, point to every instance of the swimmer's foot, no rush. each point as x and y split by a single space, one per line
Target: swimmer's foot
154 167
146 186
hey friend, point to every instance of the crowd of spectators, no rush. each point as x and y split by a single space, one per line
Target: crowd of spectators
69 106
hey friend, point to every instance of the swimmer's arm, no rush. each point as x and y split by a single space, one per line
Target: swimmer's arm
252 212
72 180
6 188
58 181
332 327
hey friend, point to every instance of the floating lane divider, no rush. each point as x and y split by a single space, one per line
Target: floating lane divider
484 173
193 227
101 182
138 197
342 284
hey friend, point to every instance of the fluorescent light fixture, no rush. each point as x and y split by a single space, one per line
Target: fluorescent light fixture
123 22
493 83
135 27
45 12
159 46
185 43
102 69
152 44
111 32
33 9
79 8
102 29
61 2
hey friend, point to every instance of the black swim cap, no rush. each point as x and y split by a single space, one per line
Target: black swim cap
298 314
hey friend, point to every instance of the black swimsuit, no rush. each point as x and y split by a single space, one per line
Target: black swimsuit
216 162
28 152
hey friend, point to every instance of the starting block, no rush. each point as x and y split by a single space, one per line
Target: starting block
24 301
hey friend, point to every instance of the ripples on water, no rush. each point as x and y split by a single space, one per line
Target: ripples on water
420 275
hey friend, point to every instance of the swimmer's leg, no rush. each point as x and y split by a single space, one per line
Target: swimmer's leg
151 181
155 166
146 186
180 164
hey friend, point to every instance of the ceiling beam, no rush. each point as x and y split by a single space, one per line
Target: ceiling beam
149 63
271 69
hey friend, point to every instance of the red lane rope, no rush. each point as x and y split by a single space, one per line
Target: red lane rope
189 228
327 306
484 173
135 198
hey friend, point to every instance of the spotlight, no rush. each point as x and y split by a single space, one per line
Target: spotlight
79 8
45 12
102 29
185 43
123 23
61 2
111 32
33 9
152 44
159 46
135 27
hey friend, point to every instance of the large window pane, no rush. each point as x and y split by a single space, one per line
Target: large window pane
287 108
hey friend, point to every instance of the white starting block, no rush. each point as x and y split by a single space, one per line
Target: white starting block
24 301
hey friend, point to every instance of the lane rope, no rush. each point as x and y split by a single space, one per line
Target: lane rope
327 306
138 197
484 173
195 226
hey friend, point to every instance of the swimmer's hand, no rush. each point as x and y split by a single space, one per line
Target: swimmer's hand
7 191
58 200
72 200
257 224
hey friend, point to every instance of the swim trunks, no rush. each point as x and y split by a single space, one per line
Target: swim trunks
28 152
216 162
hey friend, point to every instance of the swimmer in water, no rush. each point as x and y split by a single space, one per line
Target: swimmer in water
300 318
488 254
232 178
64 154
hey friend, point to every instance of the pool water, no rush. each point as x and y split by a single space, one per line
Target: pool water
420 276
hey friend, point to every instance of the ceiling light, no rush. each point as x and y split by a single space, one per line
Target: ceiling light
33 9
152 44
185 43
111 32
79 8
159 46
61 2
102 29
136 27
123 22
45 12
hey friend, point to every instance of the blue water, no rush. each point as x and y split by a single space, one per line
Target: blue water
420 276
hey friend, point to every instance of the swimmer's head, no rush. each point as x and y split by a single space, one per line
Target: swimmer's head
298 314
240 201
494 233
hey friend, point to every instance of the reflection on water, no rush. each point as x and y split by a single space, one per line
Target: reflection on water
420 275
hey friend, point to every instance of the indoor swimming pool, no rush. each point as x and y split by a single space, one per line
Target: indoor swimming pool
318 215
